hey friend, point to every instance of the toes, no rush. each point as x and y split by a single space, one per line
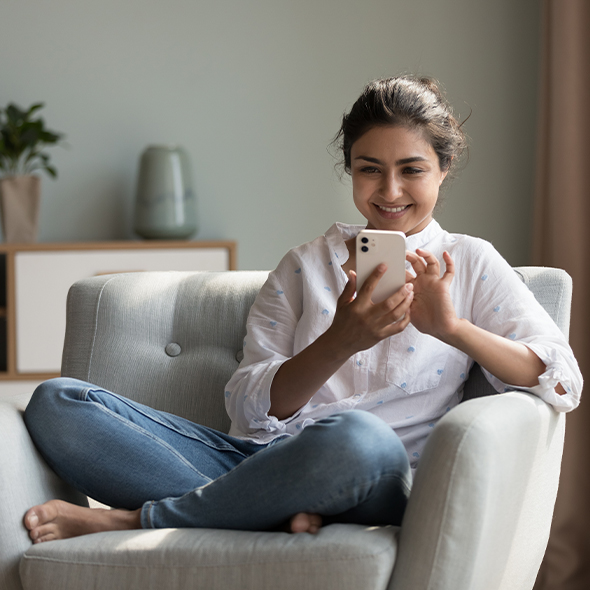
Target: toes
31 519
315 523
299 523
47 537
47 532
306 523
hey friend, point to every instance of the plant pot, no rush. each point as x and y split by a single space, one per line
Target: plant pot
19 205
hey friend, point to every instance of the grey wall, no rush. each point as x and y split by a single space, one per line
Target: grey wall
254 90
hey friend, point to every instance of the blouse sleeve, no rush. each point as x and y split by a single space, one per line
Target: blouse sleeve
504 305
270 332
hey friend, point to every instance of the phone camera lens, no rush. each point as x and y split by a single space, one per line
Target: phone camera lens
365 241
364 249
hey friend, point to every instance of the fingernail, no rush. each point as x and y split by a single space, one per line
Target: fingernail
33 520
409 287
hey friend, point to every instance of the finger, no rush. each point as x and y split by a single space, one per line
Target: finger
432 263
347 294
450 267
369 285
399 319
418 264
403 308
393 308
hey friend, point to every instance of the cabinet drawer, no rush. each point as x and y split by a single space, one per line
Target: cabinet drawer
43 278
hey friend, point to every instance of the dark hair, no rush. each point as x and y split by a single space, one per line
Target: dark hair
407 101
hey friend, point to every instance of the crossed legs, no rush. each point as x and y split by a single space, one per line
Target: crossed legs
160 470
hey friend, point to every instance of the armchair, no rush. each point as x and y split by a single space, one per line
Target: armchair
478 517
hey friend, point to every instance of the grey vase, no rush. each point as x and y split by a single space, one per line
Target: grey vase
165 206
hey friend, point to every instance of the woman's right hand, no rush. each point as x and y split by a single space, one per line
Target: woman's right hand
359 323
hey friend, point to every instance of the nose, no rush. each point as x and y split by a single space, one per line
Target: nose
391 187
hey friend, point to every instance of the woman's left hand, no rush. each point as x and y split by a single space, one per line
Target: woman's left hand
432 311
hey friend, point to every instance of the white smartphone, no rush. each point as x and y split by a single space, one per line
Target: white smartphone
374 246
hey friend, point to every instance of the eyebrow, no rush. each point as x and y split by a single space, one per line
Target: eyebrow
398 163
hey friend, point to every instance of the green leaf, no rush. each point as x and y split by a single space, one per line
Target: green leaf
50 136
51 171
14 114
22 138
35 107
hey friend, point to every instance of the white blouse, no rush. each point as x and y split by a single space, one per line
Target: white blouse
409 380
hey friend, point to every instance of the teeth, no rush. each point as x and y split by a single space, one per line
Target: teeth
392 209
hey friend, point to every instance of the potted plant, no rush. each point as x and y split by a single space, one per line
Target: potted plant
22 139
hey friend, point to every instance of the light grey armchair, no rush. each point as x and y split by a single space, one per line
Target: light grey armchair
479 512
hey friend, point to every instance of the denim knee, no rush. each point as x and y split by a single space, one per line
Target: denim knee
45 407
362 440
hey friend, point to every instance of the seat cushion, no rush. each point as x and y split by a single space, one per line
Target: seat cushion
339 557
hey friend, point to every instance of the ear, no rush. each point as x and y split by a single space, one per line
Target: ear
445 172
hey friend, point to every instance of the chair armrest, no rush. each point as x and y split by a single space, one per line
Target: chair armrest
25 480
488 475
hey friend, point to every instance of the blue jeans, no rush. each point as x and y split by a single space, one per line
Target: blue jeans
350 467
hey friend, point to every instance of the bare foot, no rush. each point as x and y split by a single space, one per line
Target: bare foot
61 520
305 523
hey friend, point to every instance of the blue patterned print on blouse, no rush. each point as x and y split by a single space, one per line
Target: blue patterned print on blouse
440 371
497 308
462 376
404 385
280 292
328 289
273 324
431 425
512 336
325 312
415 455
484 278
411 349
379 402
227 393
298 271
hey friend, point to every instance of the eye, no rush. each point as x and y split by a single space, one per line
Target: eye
369 170
411 170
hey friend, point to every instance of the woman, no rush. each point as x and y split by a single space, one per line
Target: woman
336 396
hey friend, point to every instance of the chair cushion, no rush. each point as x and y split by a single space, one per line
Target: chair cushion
339 557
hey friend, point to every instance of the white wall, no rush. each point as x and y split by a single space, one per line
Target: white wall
254 89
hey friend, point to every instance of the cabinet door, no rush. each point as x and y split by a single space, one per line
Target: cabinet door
43 278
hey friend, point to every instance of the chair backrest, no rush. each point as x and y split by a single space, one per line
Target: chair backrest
165 339
172 340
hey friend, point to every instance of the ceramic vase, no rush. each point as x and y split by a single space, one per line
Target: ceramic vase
20 197
165 205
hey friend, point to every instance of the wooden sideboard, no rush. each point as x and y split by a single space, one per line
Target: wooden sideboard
35 279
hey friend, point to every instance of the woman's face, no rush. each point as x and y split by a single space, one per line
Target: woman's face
395 179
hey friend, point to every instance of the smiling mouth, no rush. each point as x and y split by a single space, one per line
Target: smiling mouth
393 209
